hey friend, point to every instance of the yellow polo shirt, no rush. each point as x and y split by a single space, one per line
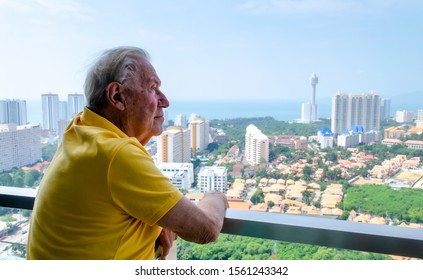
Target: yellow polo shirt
100 198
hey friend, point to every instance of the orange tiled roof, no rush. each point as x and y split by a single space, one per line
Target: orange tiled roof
240 205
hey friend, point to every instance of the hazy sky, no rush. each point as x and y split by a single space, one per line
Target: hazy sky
218 49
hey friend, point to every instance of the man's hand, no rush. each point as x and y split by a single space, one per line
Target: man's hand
165 241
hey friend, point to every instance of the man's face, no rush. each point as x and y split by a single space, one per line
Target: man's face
145 105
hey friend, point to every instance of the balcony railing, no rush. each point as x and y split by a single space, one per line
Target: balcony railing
393 240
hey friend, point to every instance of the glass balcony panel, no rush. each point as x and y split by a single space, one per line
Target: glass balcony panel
14 226
393 240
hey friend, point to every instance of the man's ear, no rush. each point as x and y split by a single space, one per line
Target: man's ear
115 96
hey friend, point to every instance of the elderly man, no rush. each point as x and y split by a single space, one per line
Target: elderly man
102 196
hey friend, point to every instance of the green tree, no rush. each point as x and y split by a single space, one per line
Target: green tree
332 156
48 151
381 200
307 172
6 179
257 197
29 179
334 174
262 172
18 181
35 173
19 250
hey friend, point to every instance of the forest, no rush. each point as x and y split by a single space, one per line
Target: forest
381 200
235 128
233 247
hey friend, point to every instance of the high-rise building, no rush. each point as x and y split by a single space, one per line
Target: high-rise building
76 104
166 118
173 145
180 174
404 116
256 146
306 112
50 103
181 120
19 145
63 111
13 111
385 109
200 134
212 178
192 117
419 120
350 110
309 110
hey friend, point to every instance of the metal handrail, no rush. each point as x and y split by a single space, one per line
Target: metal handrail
21 198
394 240
385 239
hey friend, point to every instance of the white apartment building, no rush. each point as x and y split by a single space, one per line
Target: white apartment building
419 120
181 120
256 146
356 136
19 145
200 134
180 174
355 110
348 140
13 111
212 178
404 116
50 103
325 138
306 112
370 136
63 111
414 144
173 145
385 109
76 104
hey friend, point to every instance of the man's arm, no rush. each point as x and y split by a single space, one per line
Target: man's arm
199 223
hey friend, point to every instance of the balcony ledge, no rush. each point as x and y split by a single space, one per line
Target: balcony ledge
393 240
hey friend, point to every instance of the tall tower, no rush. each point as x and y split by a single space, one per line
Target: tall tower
13 111
200 134
50 104
173 145
256 145
76 103
314 81
355 110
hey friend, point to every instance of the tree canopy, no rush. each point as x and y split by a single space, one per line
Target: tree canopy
402 204
234 247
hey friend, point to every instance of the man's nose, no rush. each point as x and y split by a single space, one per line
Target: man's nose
163 101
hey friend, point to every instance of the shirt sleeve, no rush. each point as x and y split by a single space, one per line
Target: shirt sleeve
138 187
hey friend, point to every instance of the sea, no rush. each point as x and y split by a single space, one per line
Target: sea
283 110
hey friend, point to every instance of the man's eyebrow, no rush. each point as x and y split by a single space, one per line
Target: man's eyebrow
155 80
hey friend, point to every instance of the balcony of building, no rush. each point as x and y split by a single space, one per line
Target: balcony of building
384 239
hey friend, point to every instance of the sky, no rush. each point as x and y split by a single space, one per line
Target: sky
220 49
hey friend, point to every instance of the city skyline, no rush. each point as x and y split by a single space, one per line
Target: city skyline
279 110
218 49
